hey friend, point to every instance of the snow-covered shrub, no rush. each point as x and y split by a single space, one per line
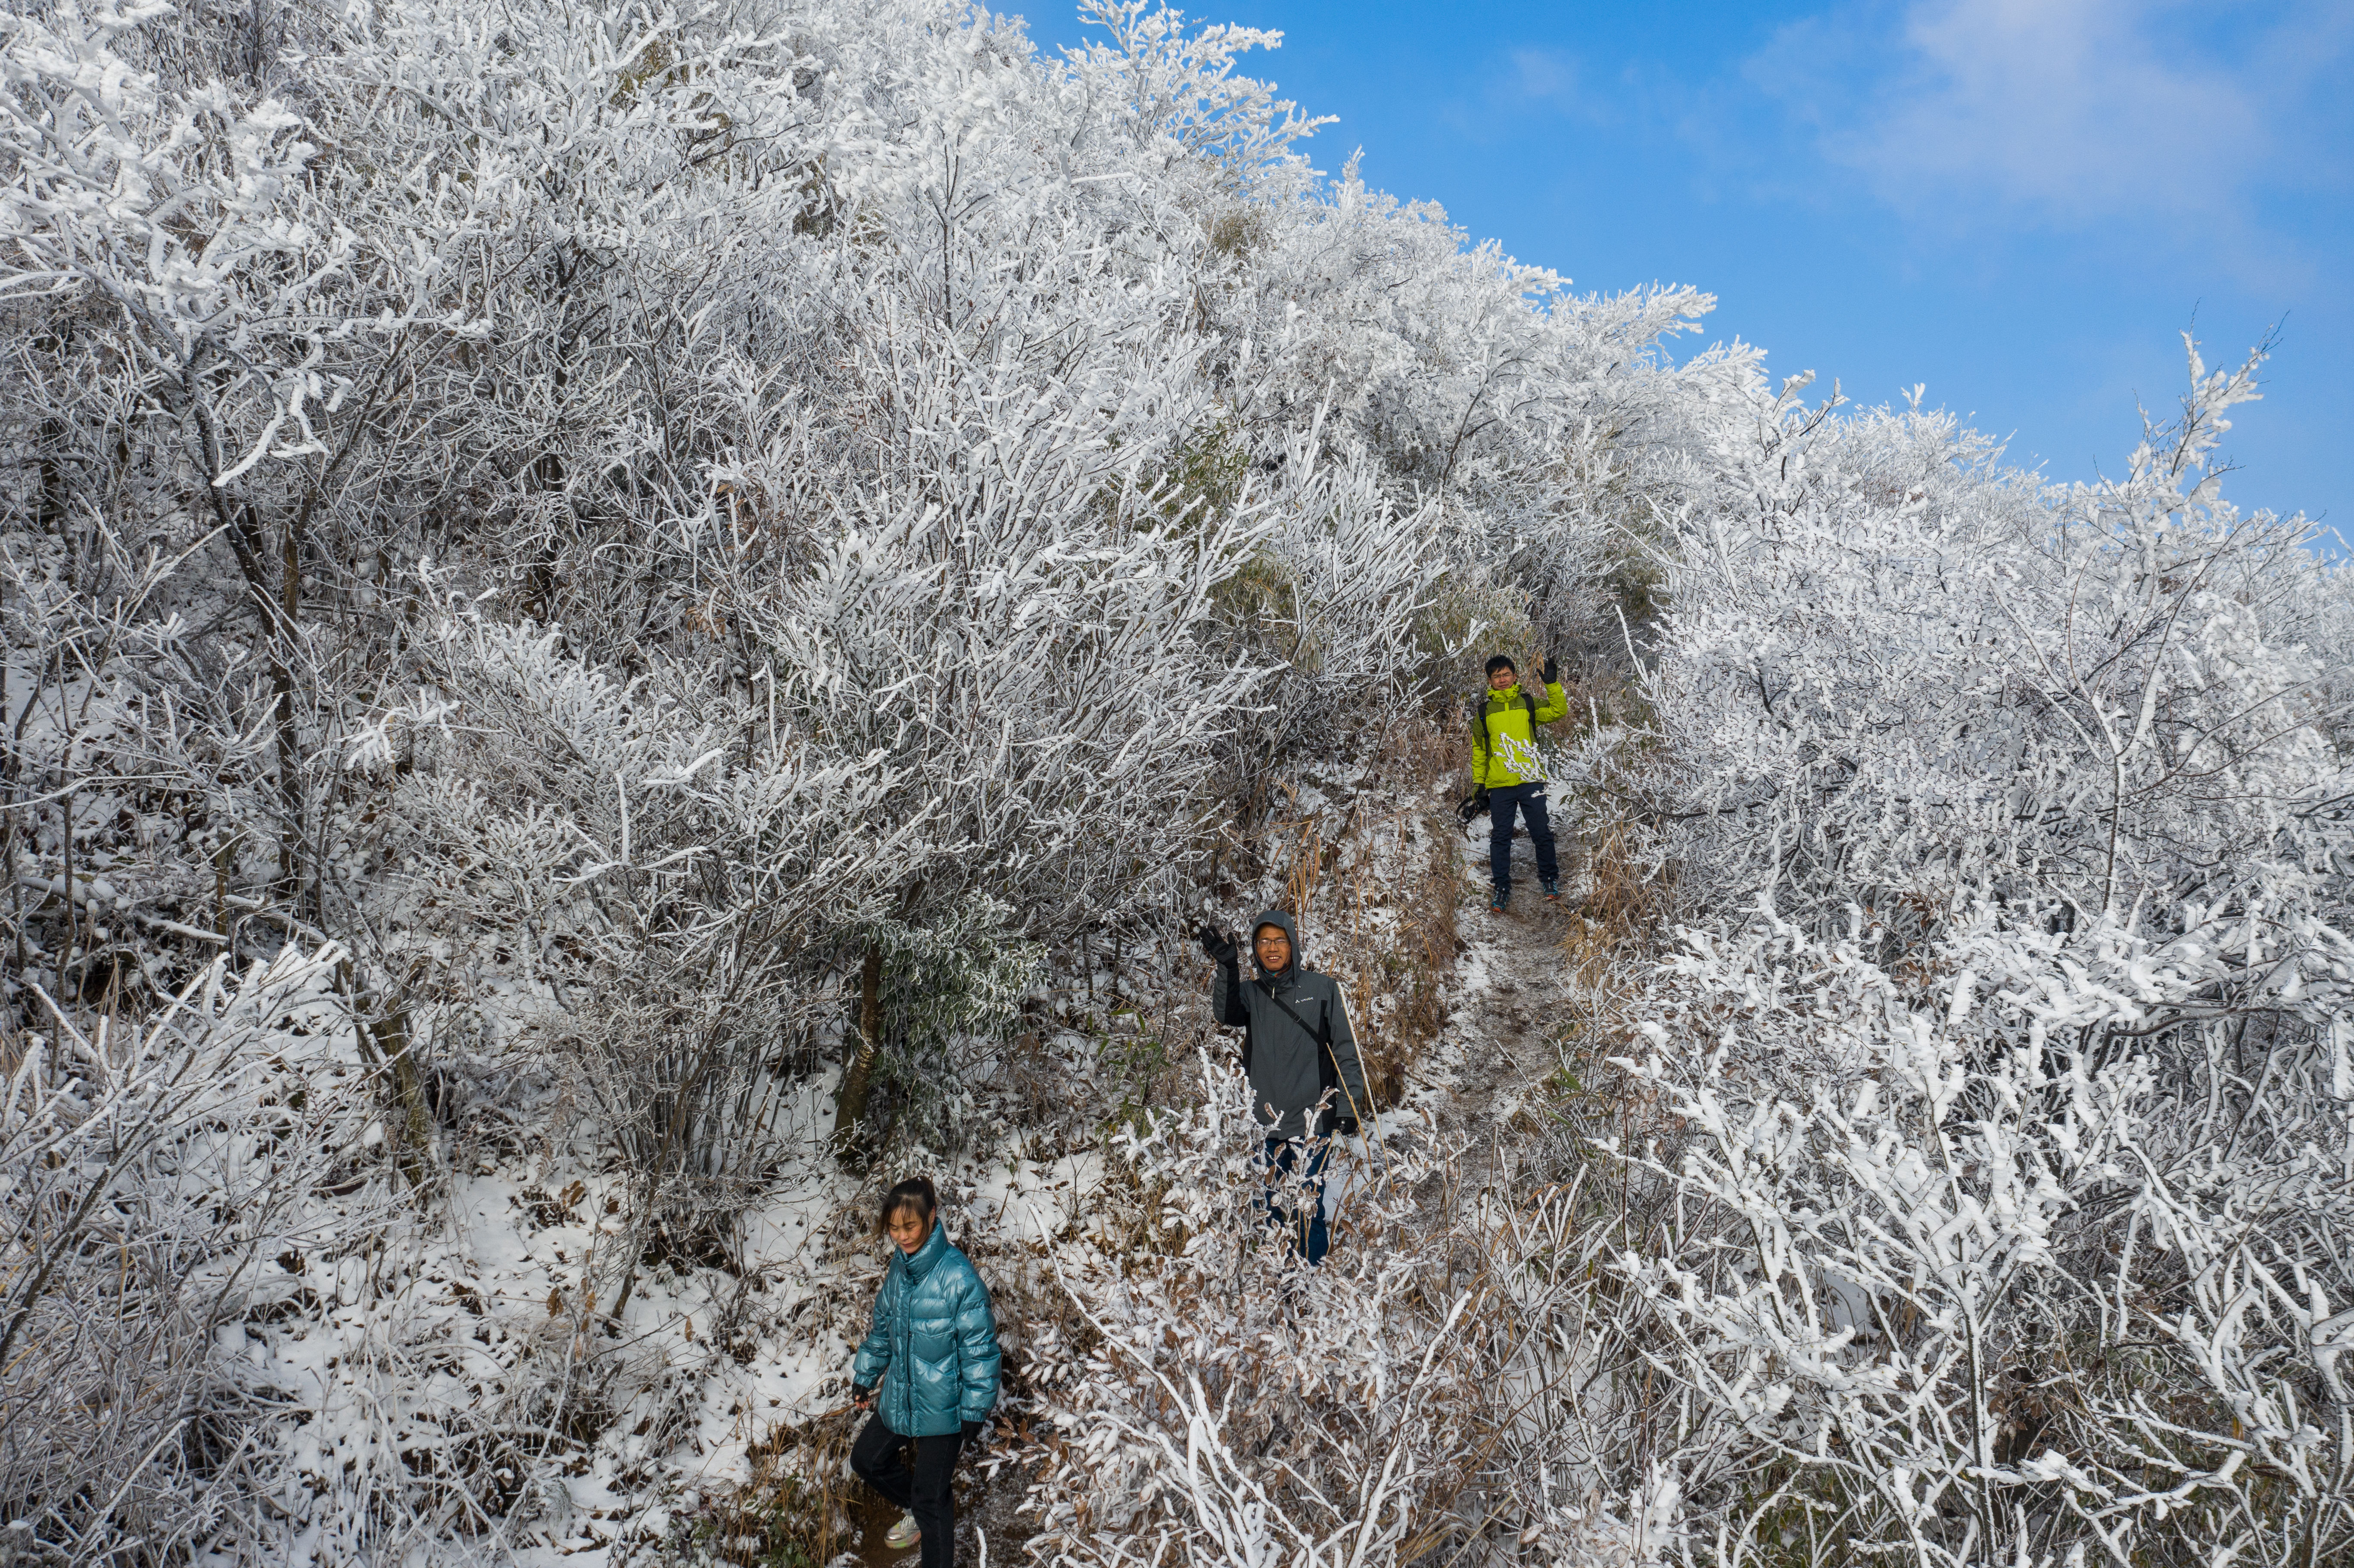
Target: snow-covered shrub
2021 1250
1333 604
1212 1401
1011 629
1545 423
1995 1092
654 846
951 999
170 1187
1901 676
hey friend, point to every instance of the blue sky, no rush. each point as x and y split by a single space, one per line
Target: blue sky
2020 203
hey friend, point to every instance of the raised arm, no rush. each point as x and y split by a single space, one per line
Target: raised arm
1226 1004
1557 703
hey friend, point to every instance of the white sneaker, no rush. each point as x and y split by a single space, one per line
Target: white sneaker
905 1533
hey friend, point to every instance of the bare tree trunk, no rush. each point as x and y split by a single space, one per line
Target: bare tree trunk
383 1042
277 605
392 1033
850 1106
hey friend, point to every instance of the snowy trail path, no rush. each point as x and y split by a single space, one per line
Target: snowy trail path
1510 993
1508 996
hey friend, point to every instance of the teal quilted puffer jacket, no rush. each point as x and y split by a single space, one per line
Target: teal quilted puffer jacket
934 1343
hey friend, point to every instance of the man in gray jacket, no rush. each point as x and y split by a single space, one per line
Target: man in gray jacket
1301 1055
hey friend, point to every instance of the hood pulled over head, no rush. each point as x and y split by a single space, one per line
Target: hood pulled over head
1282 922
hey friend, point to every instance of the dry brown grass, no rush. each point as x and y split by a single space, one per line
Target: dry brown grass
797 1507
1629 905
1374 884
1632 894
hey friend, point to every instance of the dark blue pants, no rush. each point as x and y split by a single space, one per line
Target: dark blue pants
1530 799
1305 1234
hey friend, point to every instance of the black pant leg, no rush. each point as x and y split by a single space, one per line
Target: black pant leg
933 1504
1499 836
1541 834
876 1459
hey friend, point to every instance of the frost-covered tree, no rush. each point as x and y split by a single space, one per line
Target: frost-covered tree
1998 1086
632 526
1918 682
575 575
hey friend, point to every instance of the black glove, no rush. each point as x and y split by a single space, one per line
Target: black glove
971 1430
861 1397
1217 944
1346 1127
1550 672
1475 804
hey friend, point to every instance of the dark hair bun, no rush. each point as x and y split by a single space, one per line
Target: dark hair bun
916 1192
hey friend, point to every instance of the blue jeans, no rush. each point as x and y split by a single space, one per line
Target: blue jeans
1304 1234
1530 801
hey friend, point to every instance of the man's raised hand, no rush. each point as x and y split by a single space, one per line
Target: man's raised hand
1217 944
1550 672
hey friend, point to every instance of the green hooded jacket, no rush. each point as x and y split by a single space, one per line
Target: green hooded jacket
1504 735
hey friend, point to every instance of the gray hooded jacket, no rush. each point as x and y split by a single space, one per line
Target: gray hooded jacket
1291 1069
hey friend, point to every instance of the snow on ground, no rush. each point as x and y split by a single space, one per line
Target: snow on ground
521 1236
1509 991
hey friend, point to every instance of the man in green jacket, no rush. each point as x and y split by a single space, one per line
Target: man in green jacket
1509 775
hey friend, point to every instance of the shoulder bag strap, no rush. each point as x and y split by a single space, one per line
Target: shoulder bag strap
1328 1068
1321 1036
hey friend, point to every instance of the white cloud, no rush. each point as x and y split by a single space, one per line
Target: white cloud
1542 74
1553 81
2083 110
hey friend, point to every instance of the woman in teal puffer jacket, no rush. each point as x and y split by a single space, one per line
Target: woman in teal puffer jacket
927 1369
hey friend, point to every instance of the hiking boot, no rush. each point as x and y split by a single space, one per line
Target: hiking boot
904 1535
1500 902
1553 890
